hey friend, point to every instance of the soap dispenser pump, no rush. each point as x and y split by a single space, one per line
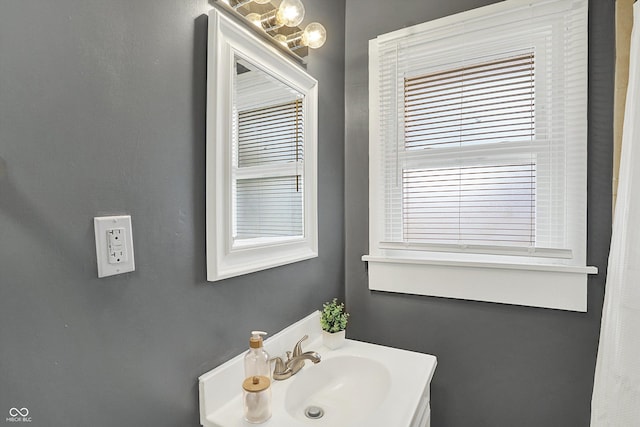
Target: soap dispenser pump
256 360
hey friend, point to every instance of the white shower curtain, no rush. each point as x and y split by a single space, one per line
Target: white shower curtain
616 391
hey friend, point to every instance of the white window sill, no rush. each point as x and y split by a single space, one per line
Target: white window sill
536 285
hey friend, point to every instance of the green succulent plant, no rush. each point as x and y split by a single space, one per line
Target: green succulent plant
333 317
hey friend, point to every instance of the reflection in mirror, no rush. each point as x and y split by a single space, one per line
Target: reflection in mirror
267 157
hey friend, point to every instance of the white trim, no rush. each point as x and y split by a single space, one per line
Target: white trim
545 286
468 16
269 171
478 264
480 249
228 39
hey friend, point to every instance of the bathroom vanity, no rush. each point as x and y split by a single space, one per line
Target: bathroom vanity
359 384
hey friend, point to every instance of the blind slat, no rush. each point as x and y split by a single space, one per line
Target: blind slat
270 134
269 206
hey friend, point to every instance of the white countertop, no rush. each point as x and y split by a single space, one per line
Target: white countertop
411 373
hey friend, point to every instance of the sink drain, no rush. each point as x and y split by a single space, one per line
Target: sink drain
314 412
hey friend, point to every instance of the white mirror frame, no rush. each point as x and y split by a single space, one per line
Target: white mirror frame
226 40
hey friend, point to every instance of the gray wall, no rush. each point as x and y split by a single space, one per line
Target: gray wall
499 365
102 111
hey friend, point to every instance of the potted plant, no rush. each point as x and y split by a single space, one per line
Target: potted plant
333 320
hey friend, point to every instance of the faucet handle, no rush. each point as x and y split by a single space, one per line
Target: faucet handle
280 365
297 350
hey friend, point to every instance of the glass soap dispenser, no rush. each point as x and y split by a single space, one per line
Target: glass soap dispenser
256 360
257 399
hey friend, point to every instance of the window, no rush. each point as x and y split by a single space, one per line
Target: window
478 156
268 159
482 201
261 155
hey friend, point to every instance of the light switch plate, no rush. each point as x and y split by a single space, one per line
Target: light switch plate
114 245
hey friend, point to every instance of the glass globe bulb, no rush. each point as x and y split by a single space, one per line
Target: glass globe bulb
290 13
255 19
314 35
282 39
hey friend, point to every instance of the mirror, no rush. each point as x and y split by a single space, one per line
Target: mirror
268 134
261 154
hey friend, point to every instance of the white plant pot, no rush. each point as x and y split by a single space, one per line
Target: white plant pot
333 340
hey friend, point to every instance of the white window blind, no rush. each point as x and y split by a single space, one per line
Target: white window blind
270 134
269 207
268 188
477 204
481 133
486 103
481 103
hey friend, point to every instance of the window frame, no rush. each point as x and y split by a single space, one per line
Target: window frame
227 40
550 279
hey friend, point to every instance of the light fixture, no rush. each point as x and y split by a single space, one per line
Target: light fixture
314 35
255 19
290 13
280 22
235 4
245 2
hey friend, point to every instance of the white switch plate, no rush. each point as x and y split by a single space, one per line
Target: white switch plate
114 245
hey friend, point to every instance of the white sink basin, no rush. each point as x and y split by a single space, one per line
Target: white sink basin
344 387
359 384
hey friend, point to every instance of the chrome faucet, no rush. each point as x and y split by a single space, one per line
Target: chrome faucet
294 362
